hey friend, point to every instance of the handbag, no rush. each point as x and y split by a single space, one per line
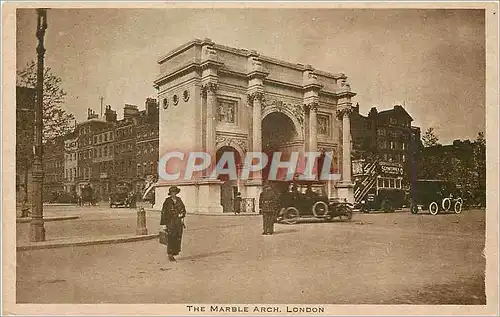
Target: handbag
163 238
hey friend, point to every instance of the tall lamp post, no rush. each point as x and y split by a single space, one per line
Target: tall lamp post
37 230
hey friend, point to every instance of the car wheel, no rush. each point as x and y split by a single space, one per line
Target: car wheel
458 207
319 209
414 208
347 213
433 208
291 216
446 204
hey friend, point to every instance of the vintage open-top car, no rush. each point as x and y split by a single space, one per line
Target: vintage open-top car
308 199
435 196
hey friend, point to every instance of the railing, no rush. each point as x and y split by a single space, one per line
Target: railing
247 205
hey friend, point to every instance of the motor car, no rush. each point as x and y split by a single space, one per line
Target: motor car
119 199
435 196
308 199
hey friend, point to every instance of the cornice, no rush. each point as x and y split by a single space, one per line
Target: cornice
238 135
345 94
223 69
193 66
314 86
182 48
247 53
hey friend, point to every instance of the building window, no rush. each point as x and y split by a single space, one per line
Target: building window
105 137
392 145
386 183
381 132
105 151
393 121
100 152
403 144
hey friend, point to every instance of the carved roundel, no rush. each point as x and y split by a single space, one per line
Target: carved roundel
175 99
165 103
185 95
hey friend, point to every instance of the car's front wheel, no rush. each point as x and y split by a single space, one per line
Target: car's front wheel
458 207
414 208
346 213
291 216
433 208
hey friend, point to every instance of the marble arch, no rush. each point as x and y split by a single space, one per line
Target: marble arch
214 96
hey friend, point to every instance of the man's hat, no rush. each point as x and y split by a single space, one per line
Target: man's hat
174 189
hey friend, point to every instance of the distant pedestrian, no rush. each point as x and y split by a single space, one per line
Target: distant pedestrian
237 204
172 216
268 202
152 199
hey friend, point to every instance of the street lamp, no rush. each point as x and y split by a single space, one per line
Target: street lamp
37 231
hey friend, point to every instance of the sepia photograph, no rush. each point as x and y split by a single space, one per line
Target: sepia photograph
239 158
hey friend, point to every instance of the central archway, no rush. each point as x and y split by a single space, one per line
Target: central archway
278 134
228 187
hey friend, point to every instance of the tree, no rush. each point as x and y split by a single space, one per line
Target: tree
56 121
479 163
429 138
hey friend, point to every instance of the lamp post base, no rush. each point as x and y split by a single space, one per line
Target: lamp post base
345 191
37 232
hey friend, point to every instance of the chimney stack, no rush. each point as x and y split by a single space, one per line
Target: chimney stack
129 111
91 114
110 114
151 106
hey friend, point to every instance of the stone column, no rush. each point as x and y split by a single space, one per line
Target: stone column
255 100
210 91
313 129
345 188
346 145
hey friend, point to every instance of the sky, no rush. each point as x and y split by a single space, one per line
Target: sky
432 61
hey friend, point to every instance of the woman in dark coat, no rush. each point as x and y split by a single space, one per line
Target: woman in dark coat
172 216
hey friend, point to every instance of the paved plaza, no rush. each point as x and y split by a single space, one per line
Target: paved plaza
378 258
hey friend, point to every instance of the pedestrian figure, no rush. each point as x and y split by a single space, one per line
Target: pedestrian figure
237 204
152 199
268 202
172 216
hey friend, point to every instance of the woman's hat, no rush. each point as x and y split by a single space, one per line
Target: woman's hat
174 189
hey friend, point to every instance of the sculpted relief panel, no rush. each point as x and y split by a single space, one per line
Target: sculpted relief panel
323 125
226 111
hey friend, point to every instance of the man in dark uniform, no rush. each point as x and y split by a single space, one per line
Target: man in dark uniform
237 204
268 202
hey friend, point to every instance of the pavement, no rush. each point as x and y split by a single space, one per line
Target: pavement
395 258
88 225
89 231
